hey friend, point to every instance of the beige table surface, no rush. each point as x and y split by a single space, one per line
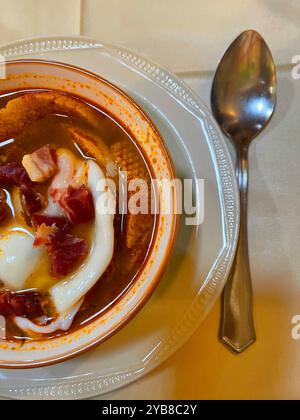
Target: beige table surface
189 37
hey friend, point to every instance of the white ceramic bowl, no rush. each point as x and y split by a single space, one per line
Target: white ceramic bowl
28 74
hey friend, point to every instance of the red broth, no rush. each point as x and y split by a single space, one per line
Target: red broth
126 263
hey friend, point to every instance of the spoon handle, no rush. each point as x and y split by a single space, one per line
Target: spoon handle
237 328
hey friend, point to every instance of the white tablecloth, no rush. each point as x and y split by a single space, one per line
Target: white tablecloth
189 37
184 35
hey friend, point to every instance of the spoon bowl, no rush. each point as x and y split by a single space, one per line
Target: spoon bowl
244 89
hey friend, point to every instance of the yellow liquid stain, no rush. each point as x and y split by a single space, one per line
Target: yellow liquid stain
41 279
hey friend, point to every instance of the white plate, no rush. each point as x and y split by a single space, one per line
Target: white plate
203 255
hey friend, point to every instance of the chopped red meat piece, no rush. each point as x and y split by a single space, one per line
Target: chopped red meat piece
78 204
41 164
31 200
44 234
25 304
60 221
3 206
15 174
65 250
66 254
49 228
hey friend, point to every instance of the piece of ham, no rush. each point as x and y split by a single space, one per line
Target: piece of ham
3 206
31 201
61 222
41 164
49 228
15 174
62 323
65 250
22 304
44 235
78 204
69 189
66 254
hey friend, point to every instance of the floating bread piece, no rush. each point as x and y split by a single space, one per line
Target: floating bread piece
138 226
93 146
25 109
126 157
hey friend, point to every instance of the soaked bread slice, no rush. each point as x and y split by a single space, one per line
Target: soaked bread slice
22 111
128 160
138 226
93 146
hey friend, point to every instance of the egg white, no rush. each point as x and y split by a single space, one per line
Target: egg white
18 258
68 292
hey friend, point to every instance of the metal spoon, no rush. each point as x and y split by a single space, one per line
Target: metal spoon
243 100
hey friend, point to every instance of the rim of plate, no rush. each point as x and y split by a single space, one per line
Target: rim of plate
228 194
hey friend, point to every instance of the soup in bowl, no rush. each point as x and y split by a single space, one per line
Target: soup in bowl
86 228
